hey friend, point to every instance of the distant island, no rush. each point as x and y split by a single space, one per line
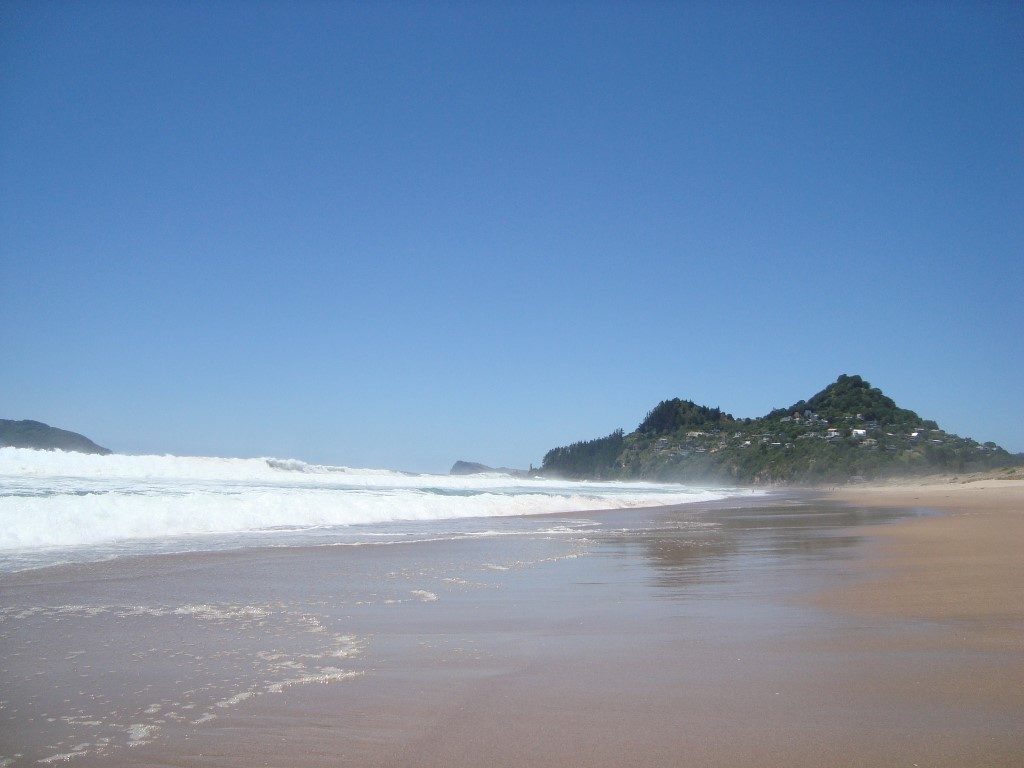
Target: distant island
35 434
847 432
473 468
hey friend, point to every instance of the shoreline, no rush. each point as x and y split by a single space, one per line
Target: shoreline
729 633
741 497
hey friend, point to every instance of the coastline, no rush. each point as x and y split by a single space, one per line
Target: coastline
731 633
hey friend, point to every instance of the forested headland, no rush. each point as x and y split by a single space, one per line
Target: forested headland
848 431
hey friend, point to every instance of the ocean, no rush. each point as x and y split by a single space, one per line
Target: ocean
58 507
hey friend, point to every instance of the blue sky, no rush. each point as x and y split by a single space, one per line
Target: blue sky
400 234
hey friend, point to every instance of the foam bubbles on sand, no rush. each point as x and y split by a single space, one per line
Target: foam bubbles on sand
347 646
139 734
326 675
137 670
238 698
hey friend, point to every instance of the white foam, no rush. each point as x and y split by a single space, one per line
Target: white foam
140 733
348 646
61 757
238 698
57 499
326 675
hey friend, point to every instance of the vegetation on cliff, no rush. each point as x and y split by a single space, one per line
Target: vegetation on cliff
849 430
597 459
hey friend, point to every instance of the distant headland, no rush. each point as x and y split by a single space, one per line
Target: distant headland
849 431
474 468
35 434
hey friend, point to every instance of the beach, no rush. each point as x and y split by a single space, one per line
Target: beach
866 626
962 570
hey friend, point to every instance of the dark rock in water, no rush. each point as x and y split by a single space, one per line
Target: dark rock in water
473 468
35 434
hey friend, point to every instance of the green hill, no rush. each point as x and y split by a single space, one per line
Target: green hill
35 434
849 430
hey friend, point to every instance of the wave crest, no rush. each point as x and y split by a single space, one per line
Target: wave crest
56 499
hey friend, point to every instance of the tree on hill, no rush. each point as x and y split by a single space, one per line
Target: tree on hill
849 396
669 416
587 458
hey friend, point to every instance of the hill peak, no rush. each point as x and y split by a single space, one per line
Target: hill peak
851 396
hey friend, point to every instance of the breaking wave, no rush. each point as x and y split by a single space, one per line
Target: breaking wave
57 499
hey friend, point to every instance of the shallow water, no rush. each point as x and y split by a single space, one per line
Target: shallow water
102 661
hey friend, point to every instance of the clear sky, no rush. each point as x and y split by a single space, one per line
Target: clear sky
401 234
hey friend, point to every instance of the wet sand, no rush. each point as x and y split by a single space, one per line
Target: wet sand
962 571
767 632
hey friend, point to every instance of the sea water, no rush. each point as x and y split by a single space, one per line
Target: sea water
59 507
